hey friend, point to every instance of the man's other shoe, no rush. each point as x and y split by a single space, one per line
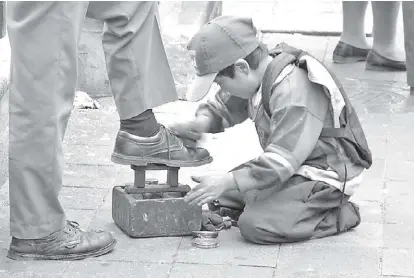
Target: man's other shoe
69 243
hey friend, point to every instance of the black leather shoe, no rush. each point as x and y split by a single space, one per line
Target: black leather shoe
346 53
69 243
163 148
377 62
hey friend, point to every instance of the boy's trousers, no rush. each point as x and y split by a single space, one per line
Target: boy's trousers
300 209
44 37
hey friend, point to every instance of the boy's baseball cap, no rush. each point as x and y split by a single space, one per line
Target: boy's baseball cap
219 44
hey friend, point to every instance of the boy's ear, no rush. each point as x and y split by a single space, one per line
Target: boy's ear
243 66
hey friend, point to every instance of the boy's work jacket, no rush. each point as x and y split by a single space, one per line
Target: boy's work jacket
303 103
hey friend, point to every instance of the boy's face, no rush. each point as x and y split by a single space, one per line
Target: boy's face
243 84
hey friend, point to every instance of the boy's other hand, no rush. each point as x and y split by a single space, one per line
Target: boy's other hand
210 188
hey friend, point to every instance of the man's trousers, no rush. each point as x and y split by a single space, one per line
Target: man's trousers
44 37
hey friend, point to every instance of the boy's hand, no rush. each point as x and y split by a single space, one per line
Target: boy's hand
209 188
190 132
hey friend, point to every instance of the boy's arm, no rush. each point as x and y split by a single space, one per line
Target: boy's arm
223 111
294 131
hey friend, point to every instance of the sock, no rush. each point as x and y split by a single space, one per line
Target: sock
143 125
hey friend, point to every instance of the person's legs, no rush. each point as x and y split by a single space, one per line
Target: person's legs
43 38
385 55
137 64
302 210
140 79
408 26
352 46
353 32
385 15
212 10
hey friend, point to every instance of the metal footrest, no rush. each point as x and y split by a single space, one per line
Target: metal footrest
147 210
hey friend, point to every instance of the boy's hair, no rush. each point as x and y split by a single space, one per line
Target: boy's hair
253 59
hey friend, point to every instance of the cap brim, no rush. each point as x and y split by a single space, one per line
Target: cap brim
200 87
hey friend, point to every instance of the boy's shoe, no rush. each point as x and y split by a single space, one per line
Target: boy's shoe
377 62
69 243
163 148
346 53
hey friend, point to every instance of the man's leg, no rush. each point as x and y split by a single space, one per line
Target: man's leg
141 79
408 27
302 210
43 38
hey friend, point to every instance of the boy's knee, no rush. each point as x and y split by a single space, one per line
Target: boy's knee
251 230
258 229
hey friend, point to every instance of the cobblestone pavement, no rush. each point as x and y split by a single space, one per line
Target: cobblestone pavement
382 246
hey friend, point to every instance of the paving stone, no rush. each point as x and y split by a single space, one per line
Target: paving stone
83 217
401 134
372 183
84 154
398 236
377 147
89 268
398 262
375 125
370 211
399 203
393 276
107 203
94 176
150 250
181 270
323 261
29 268
377 96
91 136
232 250
400 170
356 72
4 227
402 191
82 198
30 274
4 194
4 216
365 235
395 151
402 120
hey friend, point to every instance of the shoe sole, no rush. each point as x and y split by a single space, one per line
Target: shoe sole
373 67
346 60
18 256
131 160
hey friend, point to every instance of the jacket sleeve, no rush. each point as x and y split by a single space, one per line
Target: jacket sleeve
224 111
294 132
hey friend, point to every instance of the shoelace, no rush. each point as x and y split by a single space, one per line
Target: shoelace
74 226
168 132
